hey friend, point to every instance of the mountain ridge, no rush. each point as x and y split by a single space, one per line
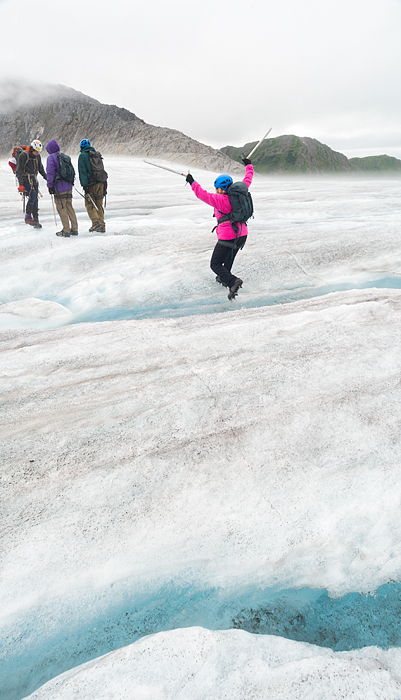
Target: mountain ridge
68 116
47 111
304 155
382 163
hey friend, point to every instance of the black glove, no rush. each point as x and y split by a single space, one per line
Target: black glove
51 190
246 161
86 190
189 178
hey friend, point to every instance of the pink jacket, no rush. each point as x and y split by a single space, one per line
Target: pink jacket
222 205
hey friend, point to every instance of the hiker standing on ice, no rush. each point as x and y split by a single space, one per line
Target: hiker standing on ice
62 191
94 188
28 166
231 235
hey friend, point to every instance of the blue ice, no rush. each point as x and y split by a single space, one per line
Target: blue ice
119 618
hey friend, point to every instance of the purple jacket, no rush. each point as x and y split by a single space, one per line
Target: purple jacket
52 168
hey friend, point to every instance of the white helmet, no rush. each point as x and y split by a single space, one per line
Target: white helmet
36 145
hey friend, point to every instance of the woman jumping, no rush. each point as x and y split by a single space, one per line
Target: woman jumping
230 241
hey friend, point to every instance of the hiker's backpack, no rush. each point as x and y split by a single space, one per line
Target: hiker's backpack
242 205
13 161
66 170
98 172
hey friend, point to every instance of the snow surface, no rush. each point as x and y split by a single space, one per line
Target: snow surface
198 462
309 237
202 665
28 312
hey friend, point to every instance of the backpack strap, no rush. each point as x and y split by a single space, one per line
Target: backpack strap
57 177
226 217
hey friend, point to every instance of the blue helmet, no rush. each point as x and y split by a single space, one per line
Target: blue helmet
84 142
223 181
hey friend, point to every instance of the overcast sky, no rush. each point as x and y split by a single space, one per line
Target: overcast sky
223 73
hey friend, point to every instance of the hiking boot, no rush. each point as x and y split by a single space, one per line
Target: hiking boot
219 281
66 234
234 289
92 228
100 228
28 219
74 232
36 224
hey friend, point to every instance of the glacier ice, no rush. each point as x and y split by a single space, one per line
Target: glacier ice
203 665
199 462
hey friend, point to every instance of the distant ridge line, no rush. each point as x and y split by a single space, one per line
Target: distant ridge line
305 155
47 111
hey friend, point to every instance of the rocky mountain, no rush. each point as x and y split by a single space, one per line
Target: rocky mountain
53 111
29 111
292 154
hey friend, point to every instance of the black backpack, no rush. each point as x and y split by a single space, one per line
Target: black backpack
242 205
98 172
66 169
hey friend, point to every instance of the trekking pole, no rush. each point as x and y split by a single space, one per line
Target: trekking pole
258 144
23 203
54 211
164 168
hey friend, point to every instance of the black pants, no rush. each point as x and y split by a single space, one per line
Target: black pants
31 190
223 258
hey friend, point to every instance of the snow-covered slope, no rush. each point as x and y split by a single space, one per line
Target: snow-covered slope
239 468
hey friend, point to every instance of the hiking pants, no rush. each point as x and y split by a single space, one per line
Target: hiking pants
31 189
95 213
66 211
223 258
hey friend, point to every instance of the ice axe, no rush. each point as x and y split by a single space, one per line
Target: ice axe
163 167
84 196
258 144
88 195
22 197
54 211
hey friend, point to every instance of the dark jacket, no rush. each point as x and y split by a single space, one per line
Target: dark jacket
29 163
53 167
84 167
